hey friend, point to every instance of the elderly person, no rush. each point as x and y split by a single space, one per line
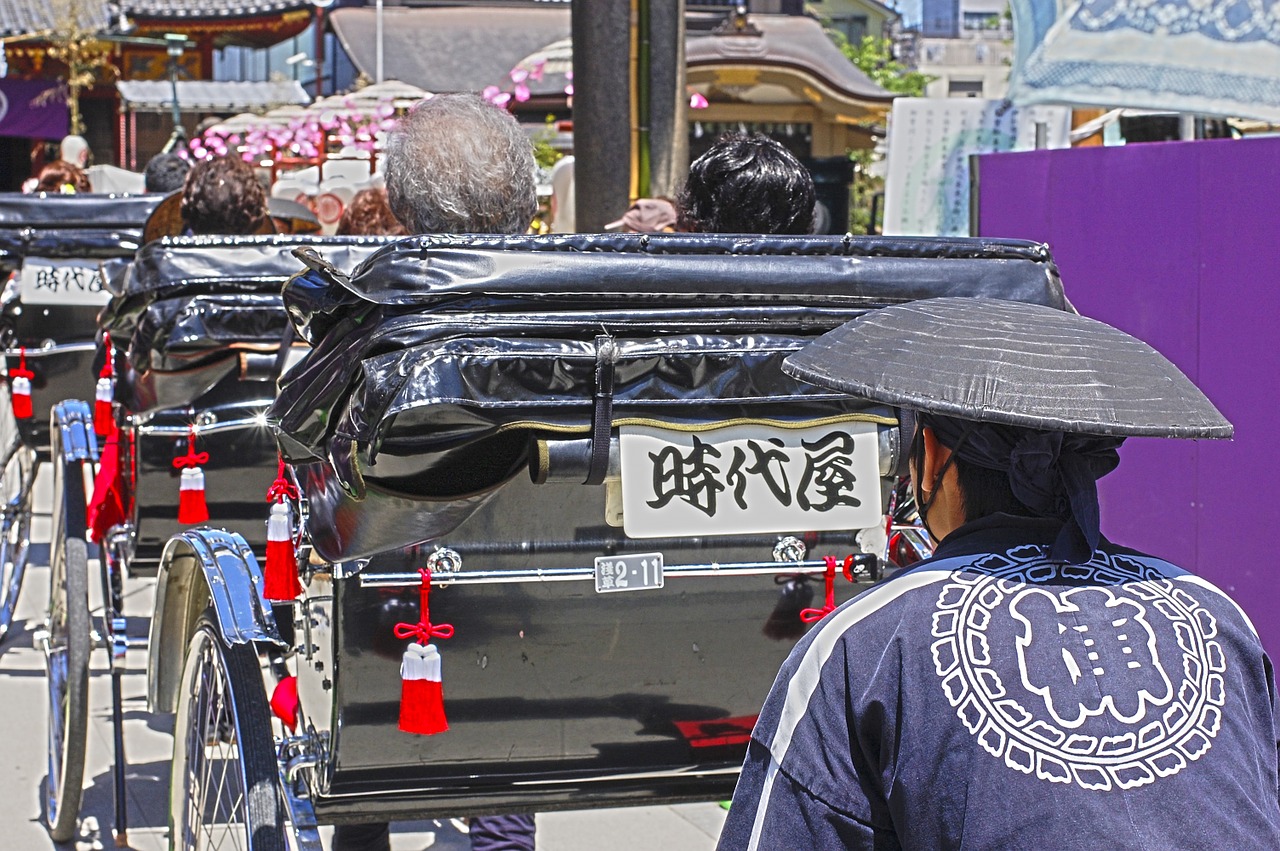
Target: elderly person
1033 685
457 164
747 184
223 196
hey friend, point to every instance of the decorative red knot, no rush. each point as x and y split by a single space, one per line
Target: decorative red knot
424 630
829 606
281 489
192 458
22 371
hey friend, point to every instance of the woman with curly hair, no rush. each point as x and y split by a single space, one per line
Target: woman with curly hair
223 196
369 214
62 176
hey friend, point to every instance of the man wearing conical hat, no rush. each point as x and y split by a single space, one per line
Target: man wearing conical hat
1033 685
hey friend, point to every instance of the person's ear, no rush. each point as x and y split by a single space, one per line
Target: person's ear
935 459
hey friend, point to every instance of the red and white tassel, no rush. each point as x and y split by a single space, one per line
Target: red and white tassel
281 574
421 689
103 419
105 393
421 692
192 507
20 388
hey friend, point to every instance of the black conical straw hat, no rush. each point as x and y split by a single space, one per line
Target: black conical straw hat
1011 363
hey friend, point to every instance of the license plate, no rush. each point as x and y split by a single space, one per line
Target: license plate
637 572
749 479
74 282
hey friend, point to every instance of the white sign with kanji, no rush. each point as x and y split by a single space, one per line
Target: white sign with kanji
47 281
749 479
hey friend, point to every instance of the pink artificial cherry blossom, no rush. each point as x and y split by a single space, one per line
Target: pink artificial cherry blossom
698 101
521 92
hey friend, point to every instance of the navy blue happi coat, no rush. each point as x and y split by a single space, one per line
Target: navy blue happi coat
990 698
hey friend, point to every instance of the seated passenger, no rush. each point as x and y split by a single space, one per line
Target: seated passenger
747 184
62 176
369 214
223 196
165 173
457 164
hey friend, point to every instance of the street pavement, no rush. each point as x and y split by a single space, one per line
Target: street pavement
685 827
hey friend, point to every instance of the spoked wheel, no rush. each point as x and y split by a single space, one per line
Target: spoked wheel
19 466
223 793
67 655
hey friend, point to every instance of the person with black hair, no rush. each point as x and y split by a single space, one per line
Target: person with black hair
1032 685
747 184
165 172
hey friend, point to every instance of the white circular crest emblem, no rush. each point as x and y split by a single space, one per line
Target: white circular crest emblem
4 105
1119 678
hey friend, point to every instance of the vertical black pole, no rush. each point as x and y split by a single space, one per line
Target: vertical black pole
668 102
601 111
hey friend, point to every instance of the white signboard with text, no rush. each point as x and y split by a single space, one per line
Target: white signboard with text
64 282
926 187
749 479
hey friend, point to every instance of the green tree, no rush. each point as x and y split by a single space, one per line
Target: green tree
873 56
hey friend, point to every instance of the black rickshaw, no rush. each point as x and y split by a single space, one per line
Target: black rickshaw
571 473
198 337
52 250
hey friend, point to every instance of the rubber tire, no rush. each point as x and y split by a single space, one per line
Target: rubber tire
263 813
64 788
15 539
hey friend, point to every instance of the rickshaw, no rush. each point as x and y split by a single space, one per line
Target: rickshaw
52 248
571 476
198 335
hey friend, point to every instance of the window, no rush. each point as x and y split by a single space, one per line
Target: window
853 27
965 89
981 21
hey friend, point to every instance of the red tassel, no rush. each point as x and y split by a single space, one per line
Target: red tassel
284 702
281 581
105 393
192 507
106 507
421 691
103 416
20 388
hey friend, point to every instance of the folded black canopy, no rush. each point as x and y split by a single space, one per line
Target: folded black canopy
186 308
439 358
71 226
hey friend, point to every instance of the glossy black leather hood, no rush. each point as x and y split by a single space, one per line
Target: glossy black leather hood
439 358
66 226
187 307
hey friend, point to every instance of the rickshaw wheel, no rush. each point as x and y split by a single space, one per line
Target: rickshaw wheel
15 526
223 790
67 655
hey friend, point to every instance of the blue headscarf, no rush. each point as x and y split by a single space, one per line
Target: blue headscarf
1052 473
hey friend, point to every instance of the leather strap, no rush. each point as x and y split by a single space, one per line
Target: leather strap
602 413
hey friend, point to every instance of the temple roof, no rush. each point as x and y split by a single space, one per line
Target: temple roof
21 17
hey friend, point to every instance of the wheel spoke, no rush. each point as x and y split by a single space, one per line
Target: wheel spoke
216 813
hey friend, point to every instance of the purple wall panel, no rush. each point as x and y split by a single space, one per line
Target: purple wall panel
1174 243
